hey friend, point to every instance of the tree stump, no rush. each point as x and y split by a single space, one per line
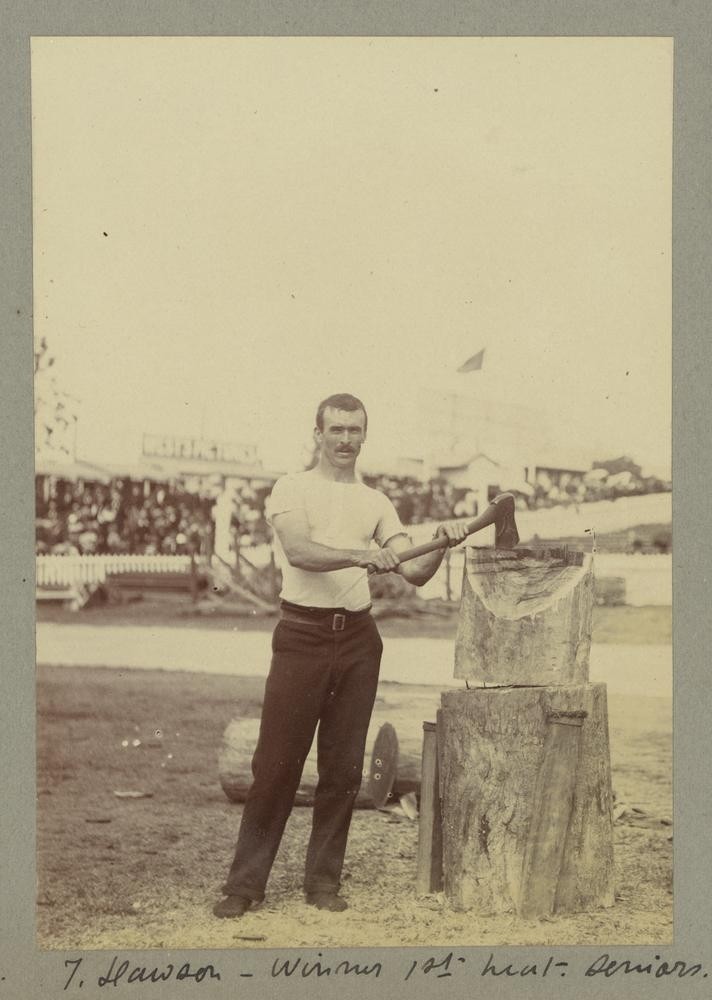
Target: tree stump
525 617
526 799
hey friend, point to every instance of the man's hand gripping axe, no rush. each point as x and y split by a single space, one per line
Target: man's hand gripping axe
500 513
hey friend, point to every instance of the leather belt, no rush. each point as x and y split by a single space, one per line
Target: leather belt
335 619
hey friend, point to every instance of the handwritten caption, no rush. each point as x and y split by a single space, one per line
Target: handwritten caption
81 972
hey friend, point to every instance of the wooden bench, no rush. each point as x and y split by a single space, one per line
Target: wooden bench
170 582
65 594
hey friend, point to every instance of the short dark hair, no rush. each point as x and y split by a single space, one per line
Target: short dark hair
340 401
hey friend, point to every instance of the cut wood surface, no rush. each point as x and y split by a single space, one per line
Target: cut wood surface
384 766
553 798
525 618
513 795
406 715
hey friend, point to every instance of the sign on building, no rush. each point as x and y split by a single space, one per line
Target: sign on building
198 449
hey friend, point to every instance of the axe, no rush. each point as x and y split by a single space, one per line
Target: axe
500 513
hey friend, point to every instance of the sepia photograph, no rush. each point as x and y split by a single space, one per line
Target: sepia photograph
353 491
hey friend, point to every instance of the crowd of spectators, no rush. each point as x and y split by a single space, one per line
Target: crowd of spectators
123 516
138 516
146 517
248 522
437 499
417 502
609 480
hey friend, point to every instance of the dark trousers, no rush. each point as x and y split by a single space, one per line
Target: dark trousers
317 676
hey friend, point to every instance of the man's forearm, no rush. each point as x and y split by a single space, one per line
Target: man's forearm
419 571
319 558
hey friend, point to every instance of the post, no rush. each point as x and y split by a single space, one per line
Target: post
193 577
274 583
237 571
430 843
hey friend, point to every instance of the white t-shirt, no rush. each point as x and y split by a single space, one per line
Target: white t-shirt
342 516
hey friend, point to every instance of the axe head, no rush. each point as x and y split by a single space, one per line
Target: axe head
506 535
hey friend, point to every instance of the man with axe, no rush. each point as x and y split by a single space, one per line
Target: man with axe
327 651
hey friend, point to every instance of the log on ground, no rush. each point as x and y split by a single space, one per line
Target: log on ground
240 739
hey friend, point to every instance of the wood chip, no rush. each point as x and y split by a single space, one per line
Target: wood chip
409 805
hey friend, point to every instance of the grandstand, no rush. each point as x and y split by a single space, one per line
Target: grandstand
162 528
153 524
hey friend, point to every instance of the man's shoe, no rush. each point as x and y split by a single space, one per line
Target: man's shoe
232 906
327 901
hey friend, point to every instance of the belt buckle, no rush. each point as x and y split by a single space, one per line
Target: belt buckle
338 623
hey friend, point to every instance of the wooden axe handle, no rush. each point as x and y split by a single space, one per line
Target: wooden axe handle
489 516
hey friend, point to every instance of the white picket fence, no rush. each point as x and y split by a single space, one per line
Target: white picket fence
72 571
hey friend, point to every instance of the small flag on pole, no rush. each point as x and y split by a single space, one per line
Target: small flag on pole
474 363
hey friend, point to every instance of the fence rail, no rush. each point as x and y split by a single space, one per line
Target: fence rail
67 571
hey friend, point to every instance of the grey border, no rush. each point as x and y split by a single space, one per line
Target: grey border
25 972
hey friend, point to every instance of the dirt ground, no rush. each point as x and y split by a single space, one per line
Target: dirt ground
116 872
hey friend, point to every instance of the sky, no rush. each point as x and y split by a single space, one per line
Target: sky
227 230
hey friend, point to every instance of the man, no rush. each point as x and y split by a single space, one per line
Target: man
326 656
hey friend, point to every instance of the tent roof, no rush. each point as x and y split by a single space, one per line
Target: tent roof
71 468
